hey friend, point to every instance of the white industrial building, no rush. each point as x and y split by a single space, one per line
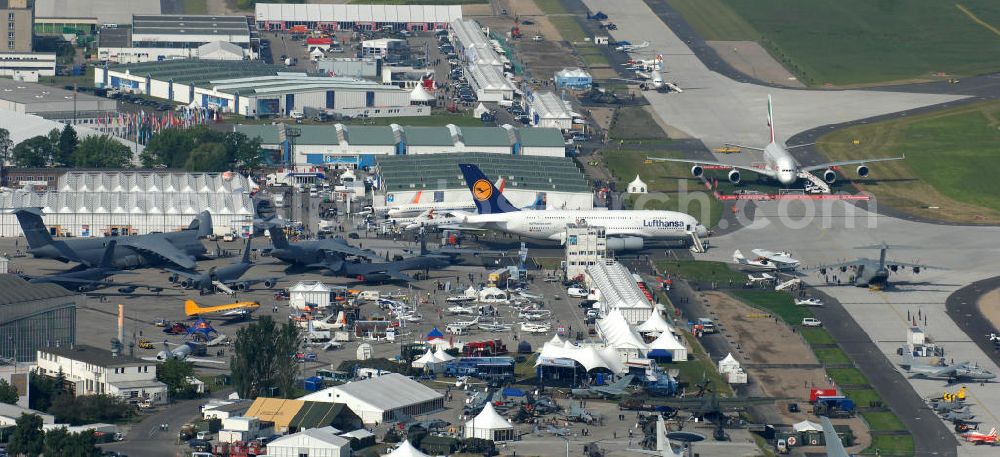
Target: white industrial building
376 400
549 110
97 203
545 182
474 47
283 16
381 47
54 16
490 84
253 89
95 371
153 38
613 286
360 146
313 293
52 102
586 246
314 442
27 66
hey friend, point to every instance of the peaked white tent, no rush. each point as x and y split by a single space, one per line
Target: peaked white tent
617 333
406 450
428 362
443 356
728 363
490 425
637 186
654 324
588 356
667 345
807 426
492 295
420 95
480 111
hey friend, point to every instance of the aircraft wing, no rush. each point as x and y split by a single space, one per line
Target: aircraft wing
158 245
186 274
344 248
844 163
760 171
95 283
773 256
198 360
398 275
250 282
834 447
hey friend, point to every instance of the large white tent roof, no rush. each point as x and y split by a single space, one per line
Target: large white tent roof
617 333
668 342
357 13
419 94
94 202
407 450
489 419
443 356
587 356
655 323
616 286
386 392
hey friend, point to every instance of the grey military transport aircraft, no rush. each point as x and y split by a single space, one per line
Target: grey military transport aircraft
181 248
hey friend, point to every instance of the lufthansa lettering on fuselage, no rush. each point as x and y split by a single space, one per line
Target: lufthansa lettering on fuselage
662 224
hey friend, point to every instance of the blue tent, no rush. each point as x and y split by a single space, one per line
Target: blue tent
512 392
435 334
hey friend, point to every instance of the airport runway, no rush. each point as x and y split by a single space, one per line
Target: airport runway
963 308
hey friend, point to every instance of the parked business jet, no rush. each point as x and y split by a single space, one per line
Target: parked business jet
778 162
625 229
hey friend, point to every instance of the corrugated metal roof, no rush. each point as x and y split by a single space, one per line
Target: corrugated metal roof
13 290
485 136
370 135
618 288
277 410
428 136
268 134
549 105
541 138
386 392
357 13
94 356
432 171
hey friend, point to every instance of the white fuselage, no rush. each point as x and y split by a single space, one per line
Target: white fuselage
781 164
416 209
551 224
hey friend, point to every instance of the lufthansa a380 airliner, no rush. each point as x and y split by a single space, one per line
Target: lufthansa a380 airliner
631 227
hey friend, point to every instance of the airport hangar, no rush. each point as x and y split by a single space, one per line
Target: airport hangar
555 182
259 90
34 316
100 203
56 17
281 16
351 146
163 37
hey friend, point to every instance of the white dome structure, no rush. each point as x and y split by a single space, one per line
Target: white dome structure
637 186
406 450
490 425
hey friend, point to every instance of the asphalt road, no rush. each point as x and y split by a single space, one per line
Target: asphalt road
145 439
962 307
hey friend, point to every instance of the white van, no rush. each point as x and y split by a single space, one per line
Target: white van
297 115
369 295
577 292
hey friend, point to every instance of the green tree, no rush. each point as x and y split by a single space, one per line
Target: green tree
244 152
41 390
66 146
27 438
263 357
174 373
8 393
168 148
36 151
6 145
208 157
102 152
60 442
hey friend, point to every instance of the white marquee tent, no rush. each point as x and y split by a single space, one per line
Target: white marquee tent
618 334
490 425
428 362
654 324
587 356
443 356
406 450
667 345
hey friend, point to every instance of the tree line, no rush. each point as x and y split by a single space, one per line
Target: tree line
198 149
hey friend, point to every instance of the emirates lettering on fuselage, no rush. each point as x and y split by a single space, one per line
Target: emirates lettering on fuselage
662 224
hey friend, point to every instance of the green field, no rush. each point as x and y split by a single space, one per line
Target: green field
700 271
778 303
551 6
858 41
891 445
635 125
698 369
816 336
862 397
592 55
568 28
946 152
195 6
832 356
847 376
883 421
671 187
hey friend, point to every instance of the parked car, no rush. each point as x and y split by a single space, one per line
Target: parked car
577 292
811 322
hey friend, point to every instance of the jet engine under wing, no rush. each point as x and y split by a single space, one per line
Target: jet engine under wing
760 171
845 163
161 247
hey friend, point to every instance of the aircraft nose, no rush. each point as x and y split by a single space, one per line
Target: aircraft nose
701 230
